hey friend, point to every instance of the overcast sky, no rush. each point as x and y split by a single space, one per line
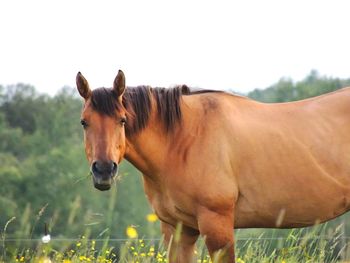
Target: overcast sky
237 45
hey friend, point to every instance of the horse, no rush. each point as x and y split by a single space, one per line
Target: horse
216 161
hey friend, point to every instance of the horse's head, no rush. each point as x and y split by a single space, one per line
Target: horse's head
103 119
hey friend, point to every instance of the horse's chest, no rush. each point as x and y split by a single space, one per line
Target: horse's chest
173 211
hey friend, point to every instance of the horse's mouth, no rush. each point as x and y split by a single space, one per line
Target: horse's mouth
102 184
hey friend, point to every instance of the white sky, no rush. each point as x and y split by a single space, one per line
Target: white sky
238 45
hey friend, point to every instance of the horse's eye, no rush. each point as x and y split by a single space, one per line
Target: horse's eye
123 120
83 123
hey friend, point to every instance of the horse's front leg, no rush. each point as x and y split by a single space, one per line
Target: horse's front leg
181 245
217 229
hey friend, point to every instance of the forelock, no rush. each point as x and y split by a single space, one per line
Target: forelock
104 101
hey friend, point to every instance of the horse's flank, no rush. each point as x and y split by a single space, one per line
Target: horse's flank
299 154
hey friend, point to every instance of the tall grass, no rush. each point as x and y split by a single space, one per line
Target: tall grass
304 245
316 244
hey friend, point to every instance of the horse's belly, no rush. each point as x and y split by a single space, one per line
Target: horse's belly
303 208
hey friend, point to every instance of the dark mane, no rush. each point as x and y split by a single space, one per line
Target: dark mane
137 104
104 101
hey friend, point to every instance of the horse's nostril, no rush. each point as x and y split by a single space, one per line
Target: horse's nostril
104 167
95 167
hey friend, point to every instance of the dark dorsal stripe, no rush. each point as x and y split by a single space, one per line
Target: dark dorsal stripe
137 104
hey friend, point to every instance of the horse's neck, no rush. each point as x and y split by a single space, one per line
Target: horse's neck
146 151
151 150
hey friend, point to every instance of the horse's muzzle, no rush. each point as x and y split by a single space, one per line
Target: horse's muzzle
103 173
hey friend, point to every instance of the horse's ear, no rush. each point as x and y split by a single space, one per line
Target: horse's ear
119 85
83 86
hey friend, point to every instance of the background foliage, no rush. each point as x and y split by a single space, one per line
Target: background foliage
44 175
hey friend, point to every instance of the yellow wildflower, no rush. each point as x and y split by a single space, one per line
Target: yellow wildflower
152 218
151 252
44 260
131 232
160 257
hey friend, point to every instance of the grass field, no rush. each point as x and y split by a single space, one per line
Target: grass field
306 245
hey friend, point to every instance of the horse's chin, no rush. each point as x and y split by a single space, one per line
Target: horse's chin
102 187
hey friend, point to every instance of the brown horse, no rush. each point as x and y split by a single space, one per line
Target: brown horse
214 161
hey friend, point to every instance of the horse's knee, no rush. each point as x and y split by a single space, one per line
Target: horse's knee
218 232
220 246
181 243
